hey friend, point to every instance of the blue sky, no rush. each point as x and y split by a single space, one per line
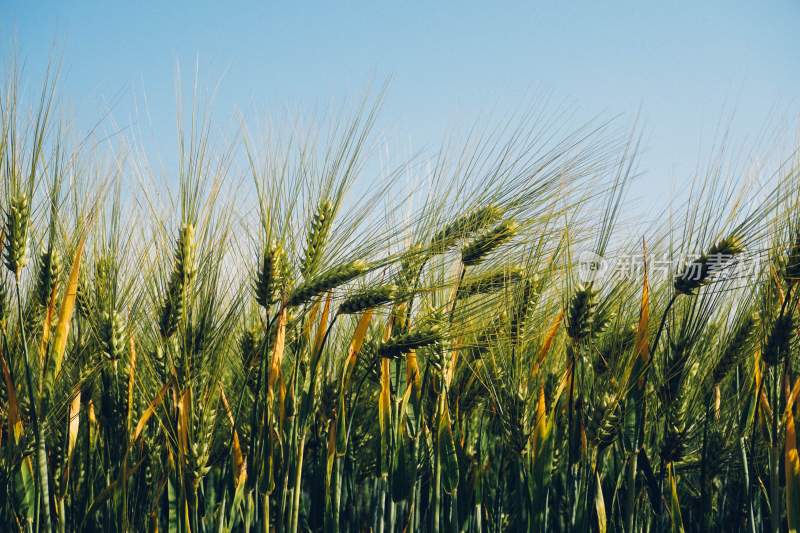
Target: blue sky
685 66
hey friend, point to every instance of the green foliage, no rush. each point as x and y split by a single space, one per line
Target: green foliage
430 365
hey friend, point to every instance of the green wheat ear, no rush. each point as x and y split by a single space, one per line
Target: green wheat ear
410 264
612 348
269 274
183 273
464 226
476 251
403 343
491 281
701 271
103 274
248 345
49 270
326 281
17 223
779 340
580 313
319 228
521 308
185 254
83 297
736 349
368 298
112 334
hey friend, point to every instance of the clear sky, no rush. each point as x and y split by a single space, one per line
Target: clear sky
684 65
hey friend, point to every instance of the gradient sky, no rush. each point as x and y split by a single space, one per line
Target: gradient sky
685 66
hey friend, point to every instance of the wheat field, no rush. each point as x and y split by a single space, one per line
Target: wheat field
493 349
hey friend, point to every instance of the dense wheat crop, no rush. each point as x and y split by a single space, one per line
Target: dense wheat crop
296 344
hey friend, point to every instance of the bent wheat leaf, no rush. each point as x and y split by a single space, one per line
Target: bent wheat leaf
277 352
384 416
540 424
239 461
792 464
47 324
72 434
547 343
14 421
341 429
67 308
148 412
131 382
323 325
642 346
676 519
600 505
355 347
